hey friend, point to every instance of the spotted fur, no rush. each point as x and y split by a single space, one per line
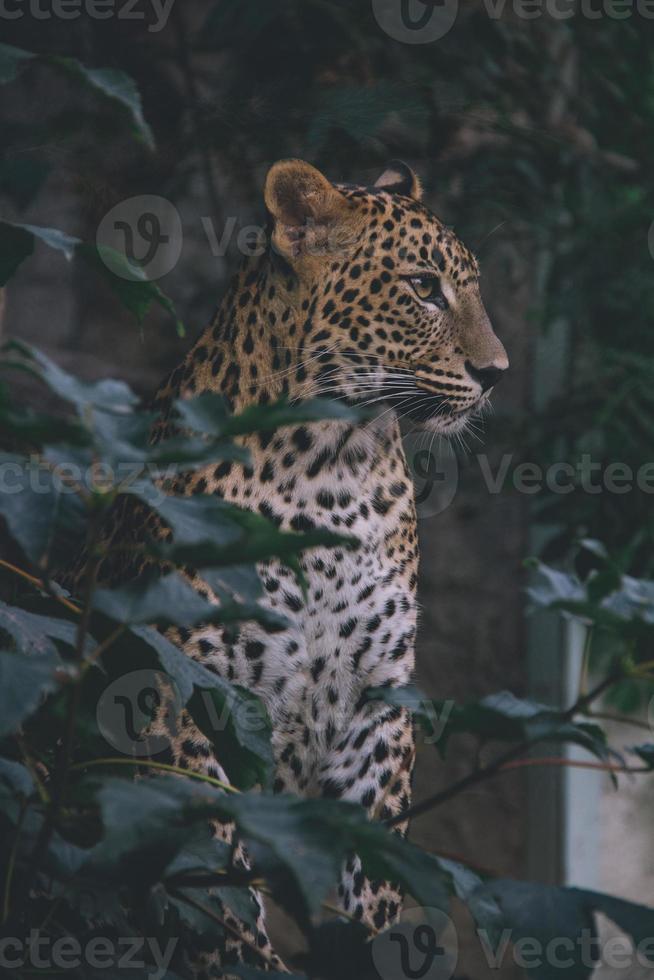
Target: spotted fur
333 308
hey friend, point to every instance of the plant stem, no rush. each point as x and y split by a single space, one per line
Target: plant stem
39 584
481 773
585 660
104 646
573 764
163 766
237 933
622 719
11 864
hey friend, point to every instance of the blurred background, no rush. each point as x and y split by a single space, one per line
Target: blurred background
532 127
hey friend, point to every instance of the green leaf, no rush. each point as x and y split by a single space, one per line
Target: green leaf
166 600
34 634
547 913
618 602
237 724
206 854
115 85
107 394
16 244
470 889
645 753
193 520
24 682
16 778
232 718
208 413
170 599
144 830
40 511
499 717
553 587
16 786
240 902
541 913
186 672
12 61
129 282
111 83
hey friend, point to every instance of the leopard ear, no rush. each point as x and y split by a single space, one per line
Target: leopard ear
399 178
305 207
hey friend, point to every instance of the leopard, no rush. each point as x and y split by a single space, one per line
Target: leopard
360 295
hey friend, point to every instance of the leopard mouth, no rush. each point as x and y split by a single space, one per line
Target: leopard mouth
419 403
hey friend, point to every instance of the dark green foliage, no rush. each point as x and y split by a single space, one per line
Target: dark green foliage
133 857
86 848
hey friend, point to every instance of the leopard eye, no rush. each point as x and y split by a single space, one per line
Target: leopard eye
428 289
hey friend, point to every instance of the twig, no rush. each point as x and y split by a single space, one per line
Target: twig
104 646
33 580
585 661
11 863
235 931
622 719
573 764
480 774
147 764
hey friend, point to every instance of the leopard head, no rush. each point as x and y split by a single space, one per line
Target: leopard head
390 299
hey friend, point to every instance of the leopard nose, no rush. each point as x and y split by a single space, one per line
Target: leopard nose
487 376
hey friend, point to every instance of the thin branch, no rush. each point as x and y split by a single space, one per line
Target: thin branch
622 719
234 930
148 764
480 774
573 764
39 584
11 864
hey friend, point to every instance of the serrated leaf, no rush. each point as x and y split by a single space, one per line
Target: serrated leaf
237 724
645 753
16 245
115 85
107 393
144 830
499 717
208 413
39 510
24 682
548 914
111 83
12 61
170 599
34 634
129 282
